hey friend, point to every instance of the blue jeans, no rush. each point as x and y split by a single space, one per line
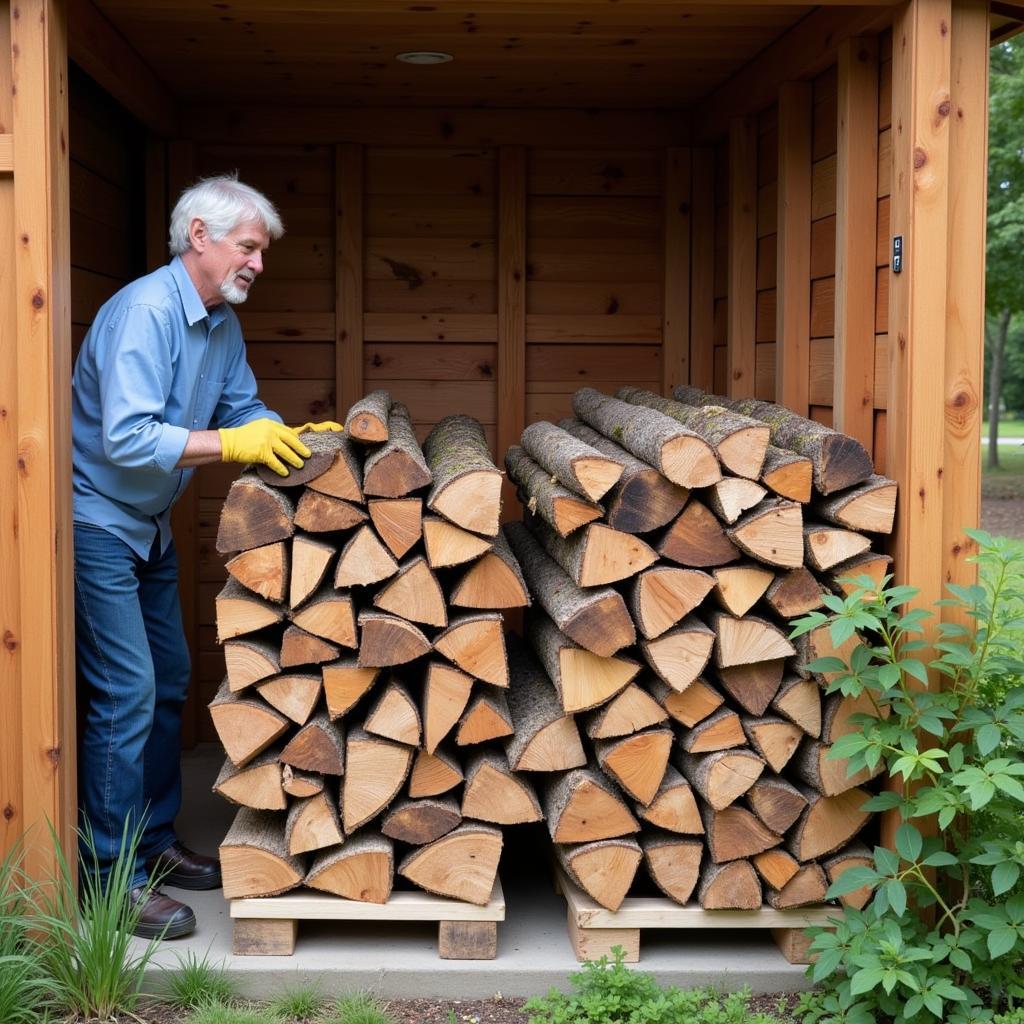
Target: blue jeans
133 670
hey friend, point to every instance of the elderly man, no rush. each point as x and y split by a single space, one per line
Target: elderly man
161 385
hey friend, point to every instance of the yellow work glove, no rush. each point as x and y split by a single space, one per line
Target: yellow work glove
318 428
265 441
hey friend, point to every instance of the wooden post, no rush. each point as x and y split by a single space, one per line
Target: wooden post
675 337
742 255
793 248
856 190
348 270
42 343
702 268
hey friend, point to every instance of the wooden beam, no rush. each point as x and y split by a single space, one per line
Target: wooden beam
793 249
6 153
856 202
348 305
105 55
511 382
702 268
675 336
42 342
742 256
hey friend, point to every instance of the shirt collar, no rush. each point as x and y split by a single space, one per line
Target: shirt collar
191 303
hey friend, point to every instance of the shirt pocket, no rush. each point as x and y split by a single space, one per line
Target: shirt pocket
206 402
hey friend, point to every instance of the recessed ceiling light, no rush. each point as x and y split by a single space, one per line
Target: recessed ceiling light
424 57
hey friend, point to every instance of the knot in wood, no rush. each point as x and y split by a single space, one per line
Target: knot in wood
10 641
38 301
944 107
8 812
53 756
943 27
920 158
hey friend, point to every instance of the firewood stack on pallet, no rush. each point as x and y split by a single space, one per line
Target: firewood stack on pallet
667 544
367 675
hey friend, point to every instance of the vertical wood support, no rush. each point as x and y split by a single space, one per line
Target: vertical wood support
793 249
348 269
675 336
511 383
702 266
43 352
742 255
856 191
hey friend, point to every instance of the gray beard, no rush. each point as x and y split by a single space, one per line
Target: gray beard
232 293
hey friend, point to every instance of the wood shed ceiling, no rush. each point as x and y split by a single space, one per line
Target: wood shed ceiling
508 53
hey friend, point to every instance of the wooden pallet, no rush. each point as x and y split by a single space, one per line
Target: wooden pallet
593 930
267 926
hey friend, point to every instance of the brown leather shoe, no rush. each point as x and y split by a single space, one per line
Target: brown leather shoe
181 867
161 917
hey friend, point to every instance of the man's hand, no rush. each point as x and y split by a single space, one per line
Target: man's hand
318 428
265 441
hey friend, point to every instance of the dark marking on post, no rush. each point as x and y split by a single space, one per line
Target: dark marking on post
10 641
943 28
53 755
9 813
920 158
944 108
37 299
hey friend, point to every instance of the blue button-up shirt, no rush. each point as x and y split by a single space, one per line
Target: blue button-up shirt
155 364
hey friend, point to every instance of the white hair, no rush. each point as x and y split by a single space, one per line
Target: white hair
221 203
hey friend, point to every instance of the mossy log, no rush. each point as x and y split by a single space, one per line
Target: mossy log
544 496
466 484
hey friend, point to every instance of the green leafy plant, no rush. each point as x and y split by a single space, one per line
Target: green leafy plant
609 992
943 935
358 1008
300 1002
198 982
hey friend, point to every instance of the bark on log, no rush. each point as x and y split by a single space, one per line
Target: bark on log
869 506
495 794
244 727
775 739
397 467
253 515
663 595
367 420
637 762
680 655
362 869
493 581
604 870
323 447
476 643
575 464
719 731
788 474
300 784
564 510
595 555
696 539
301 648
721 777
486 718
462 864
732 886
254 857
673 864
467 484
418 822
345 682
806 888
582 806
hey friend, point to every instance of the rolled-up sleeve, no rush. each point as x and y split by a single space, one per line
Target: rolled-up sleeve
238 402
135 377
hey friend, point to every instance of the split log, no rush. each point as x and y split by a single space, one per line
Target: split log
596 618
330 615
253 515
433 774
794 593
826 546
294 694
631 711
583 680
345 682
799 700
397 467
344 477
643 499
263 570
319 746
248 661
753 686
367 420
414 594
244 727
806 888
873 564
596 554
839 714
399 522
446 693
394 715
732 496
673 864
739 587
256 785
676 451
375 771
869 506
418 822
856 855
738 441
299 783
254 858
364 561
476 643
544 737
679 656
362 869
828 823
493 793
312 824
776 867
838 461
788 474
493 581
734 833
674 807
691 706
638 762
544 496
322 448
301 648
311 559
240 611
818 644
581 806
777 803
467 484
747 640
388 640
320 513
775 739
719 731
732 886
663 595
721 777
697 539
604 870
462 864
571 461
829 777
772 533
447 544
487 717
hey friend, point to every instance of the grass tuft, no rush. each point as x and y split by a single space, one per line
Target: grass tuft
358 1008
198 982
297 1003
227 1013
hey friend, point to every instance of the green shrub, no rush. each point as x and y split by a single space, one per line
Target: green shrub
955 750
611 993
197 982
359 1008
299 1003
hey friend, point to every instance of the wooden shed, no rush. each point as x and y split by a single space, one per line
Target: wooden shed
591 192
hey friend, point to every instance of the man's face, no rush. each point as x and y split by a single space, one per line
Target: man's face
232 263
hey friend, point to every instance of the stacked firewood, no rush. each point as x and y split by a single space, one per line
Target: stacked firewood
667 544
367 674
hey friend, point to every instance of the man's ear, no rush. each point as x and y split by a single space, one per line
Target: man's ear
197 233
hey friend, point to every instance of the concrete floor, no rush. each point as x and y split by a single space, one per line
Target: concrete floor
400 961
